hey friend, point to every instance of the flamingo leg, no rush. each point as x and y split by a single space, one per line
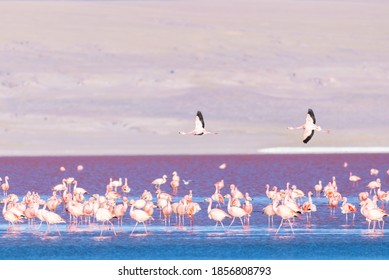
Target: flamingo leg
57 229
144 225
113 228
233 219
291 225
241 221
102 228
134 228
280 226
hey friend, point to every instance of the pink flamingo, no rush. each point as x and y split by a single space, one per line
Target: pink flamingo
348 208
167 211
52 218
216 214
354 179
235 212
318 188
373 214
248 207
285 213
268 210
139 216
120 210
175 182
125 187
5 186
373 185
199 127
309 127
105 215
10 216
308 207
159 181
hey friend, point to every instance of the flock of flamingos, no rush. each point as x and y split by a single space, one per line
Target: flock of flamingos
79 207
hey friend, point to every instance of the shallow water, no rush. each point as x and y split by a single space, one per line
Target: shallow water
327 237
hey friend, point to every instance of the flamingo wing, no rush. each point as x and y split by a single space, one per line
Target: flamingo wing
310 117
308 134
199 122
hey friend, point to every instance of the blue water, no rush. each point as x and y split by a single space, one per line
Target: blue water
327 237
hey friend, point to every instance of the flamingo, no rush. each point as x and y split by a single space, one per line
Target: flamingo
373 214
218 197
374 171
175 183
348 208
191 209
120 210
373 185
52 218
235 212
216 214
10 216
139 216
318 188
354 179
248 207
125 187
308 207
167 212
5 186
199 127
159 181
285 213
309 127
105 215
268 210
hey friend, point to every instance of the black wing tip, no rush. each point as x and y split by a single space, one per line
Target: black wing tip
310 112
306 140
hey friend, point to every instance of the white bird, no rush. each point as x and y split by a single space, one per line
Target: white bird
186 182
159 181
223 166
309 127
199 127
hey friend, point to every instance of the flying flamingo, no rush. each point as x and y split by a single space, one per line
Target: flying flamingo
348 208
309 127
216 214
235 212
199 127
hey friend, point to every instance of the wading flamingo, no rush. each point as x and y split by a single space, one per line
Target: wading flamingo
139 216
216 214
348 208
285 213
235 212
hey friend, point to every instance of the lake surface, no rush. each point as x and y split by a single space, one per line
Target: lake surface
326 237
